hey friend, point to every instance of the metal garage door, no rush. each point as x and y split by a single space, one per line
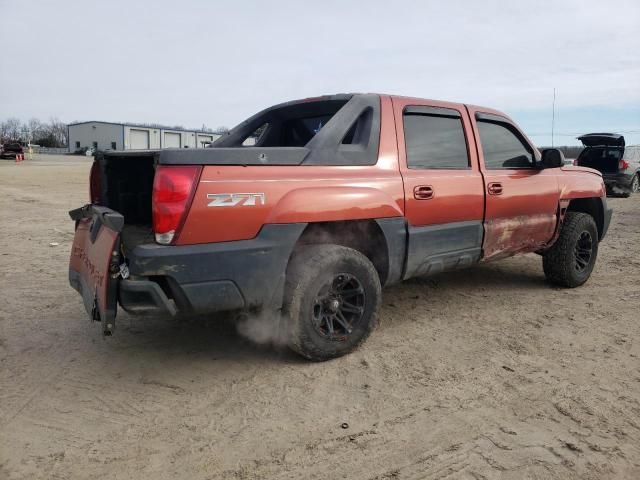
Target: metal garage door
171 140
204 138
138 139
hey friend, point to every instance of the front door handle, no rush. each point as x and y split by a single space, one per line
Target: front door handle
494 188
423 192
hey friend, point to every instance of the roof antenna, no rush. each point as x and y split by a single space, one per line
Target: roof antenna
553 115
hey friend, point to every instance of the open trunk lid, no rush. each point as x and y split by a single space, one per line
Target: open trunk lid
602 140
602 152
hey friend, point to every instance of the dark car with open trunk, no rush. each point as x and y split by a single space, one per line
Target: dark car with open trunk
618 163
11 150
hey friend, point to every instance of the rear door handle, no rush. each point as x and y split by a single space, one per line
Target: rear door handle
494 188
423 192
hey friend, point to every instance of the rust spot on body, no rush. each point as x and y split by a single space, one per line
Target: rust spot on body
507 236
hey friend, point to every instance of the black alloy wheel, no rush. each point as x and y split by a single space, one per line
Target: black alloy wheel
583 251
339 307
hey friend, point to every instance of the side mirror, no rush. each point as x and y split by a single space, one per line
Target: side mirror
552 158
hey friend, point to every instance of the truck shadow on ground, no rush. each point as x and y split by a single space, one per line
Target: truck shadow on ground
218 335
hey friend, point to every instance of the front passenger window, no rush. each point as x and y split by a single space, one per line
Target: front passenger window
502 148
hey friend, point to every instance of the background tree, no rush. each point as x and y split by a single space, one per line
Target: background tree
11 129
58 131
35 128
46 134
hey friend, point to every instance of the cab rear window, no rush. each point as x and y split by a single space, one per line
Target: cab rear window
341 129
288 125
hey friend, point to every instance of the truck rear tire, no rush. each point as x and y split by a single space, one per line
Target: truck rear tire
332 297
570 261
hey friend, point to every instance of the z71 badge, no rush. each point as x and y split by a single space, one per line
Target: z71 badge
233 199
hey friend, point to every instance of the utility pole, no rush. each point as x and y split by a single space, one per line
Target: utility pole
553 115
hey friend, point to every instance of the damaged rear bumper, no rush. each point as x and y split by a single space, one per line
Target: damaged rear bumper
209 277
144 296
618 182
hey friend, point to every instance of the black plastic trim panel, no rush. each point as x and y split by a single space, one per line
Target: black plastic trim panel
395 234
233 156
144 296
606 220
435 111
436 248
226 275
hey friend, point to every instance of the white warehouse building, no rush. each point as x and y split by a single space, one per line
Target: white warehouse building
122 136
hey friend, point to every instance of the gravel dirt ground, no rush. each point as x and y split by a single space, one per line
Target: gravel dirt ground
483 373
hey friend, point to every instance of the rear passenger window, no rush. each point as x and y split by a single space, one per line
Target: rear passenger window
502 148
434 140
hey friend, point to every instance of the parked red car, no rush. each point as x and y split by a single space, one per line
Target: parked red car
340 196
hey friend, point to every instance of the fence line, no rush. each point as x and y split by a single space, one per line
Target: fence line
47 150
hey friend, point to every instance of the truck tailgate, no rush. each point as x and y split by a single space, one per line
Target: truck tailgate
94 267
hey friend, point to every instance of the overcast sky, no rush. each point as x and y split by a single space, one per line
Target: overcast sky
195 62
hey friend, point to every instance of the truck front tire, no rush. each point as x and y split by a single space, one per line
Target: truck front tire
570 261
332 297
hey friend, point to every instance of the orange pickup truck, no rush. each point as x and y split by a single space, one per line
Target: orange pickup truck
336 197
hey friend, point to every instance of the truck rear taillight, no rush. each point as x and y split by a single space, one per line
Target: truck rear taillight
95 183
623 165
173 190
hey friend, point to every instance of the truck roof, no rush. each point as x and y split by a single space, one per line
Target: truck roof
318 149
346 96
